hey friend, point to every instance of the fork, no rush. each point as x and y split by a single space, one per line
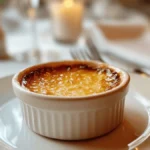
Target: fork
83 54
86 53
91 53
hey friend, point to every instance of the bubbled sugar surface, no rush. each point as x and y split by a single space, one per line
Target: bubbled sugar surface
78 80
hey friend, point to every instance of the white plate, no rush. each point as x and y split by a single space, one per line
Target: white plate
15 134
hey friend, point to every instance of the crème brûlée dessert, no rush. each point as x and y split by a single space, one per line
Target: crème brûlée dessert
73 80
72 100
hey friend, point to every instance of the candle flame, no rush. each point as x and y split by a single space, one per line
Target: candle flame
68 3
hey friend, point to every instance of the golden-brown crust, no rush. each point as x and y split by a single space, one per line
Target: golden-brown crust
71 80
92 64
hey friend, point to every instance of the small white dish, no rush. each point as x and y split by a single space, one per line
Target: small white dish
72 117
122 29
14 134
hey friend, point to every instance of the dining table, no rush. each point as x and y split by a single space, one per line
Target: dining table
19 45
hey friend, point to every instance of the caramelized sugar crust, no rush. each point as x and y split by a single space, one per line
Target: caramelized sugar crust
74 80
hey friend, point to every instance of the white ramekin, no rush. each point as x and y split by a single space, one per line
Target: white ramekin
72 118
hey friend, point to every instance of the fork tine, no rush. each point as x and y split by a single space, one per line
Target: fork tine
82 54
77 54
89 54
74 53
94 51
86 54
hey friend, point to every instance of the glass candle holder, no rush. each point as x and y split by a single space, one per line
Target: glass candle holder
67 17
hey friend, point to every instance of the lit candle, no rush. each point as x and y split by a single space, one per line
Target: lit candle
67 19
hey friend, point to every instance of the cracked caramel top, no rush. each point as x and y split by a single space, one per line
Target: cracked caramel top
74 80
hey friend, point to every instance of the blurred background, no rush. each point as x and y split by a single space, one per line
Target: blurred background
113 31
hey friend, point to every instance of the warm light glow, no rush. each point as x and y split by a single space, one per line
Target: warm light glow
68 3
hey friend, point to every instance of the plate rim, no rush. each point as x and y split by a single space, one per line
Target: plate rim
133 144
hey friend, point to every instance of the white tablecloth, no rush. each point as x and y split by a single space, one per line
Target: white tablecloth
10 67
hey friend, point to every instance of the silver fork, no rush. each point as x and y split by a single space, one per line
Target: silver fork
81 54
85 54
88 54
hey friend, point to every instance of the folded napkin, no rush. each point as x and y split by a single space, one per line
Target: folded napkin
134 51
